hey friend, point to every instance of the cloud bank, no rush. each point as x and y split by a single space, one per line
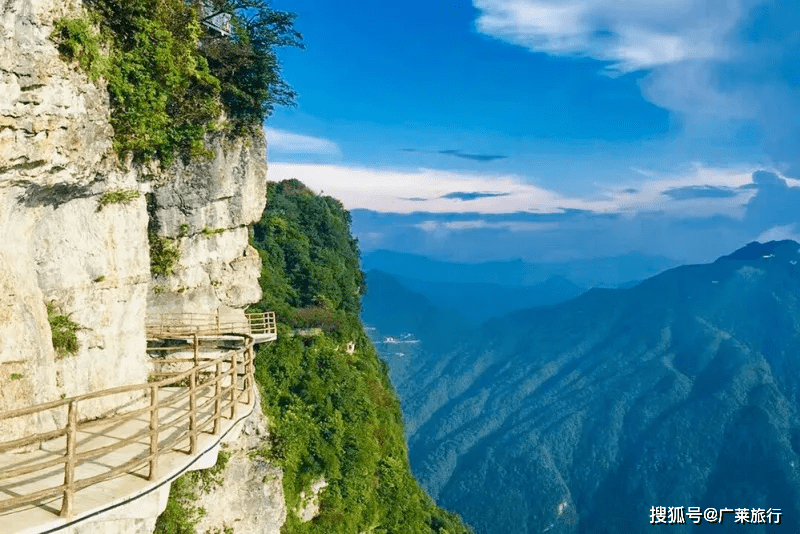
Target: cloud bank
698 190
697 235
714 63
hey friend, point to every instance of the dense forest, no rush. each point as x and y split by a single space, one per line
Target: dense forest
332 414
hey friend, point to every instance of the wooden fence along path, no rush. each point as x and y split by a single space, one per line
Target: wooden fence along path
257 325
188 396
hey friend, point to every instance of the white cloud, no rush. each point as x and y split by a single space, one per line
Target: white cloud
394 191
650 193
718 64
481 224
779 233
290 143
630 34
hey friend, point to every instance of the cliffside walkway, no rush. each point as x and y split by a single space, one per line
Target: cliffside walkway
98 464
261 326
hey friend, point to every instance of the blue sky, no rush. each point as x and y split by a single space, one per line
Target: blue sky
444 125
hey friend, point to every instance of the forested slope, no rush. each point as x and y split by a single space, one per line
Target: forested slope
332 414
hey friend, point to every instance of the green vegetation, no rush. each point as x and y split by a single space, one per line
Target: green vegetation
100 278
159 289
181 516
208 232
246 64
16 376
164 254
309 259
64 329
169 78
80 40
117 196
332 414
211 478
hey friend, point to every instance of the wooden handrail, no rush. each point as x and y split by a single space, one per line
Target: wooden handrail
209 324
240 385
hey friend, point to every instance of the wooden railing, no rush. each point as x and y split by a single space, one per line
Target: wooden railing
218 384
207 324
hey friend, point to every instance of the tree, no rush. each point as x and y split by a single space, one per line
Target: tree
246 63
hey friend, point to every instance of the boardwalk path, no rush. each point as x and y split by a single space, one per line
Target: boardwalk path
121 464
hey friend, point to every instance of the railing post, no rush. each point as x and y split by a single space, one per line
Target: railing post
248 383
234 383
67 504
196 350
193 412
153 433
217 396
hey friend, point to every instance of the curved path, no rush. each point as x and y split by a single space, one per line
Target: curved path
118 467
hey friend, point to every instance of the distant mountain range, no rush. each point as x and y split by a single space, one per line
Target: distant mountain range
478 302
681 391
600 272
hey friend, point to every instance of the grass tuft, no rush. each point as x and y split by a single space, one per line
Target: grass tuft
65 338
117 196
208 232
164 254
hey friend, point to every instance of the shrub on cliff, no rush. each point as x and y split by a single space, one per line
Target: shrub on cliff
64 331
169 78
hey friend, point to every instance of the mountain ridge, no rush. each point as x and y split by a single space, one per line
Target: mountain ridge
596 400
604 271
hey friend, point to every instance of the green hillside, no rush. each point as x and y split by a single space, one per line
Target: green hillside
578 418
332 414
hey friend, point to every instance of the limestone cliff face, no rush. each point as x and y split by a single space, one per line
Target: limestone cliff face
205 208
60 245
249 496
55 246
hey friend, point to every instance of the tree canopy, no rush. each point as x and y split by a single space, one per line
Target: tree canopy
246 63
169 77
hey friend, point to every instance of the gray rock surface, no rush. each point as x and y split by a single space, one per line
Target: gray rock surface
59 245
55 246
205 207
250 497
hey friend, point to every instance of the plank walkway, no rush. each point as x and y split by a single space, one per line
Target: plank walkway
55 479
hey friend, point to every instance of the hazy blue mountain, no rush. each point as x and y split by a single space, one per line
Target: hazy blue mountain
419 330
394 309
585 273
481 301
579 417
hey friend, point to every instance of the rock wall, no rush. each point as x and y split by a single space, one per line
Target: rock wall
60 244
55 245
249 497
204 208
